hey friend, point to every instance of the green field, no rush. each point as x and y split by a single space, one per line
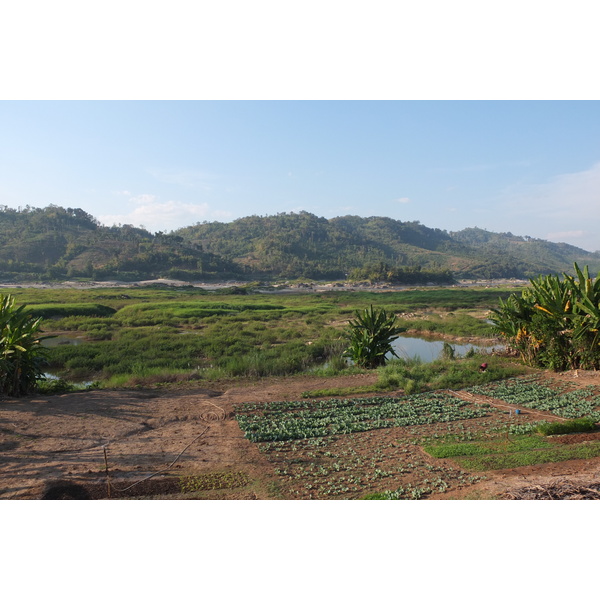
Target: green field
137 336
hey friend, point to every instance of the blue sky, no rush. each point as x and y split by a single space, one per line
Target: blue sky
529 167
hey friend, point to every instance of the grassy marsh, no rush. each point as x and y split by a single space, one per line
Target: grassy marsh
157 331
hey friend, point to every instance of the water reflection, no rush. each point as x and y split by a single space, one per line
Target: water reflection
428 350
63 340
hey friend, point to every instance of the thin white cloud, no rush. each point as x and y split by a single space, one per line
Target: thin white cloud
221 215
574 195
341 210
148 211
561 236
556 209
402 200
189 178
482 167
144 199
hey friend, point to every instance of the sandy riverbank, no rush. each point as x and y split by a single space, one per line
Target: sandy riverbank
264 288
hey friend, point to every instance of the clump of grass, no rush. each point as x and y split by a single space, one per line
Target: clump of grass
571 426
413 375
486 448
340 391
69 310
387 495
53 387
494 462
151 377
213 481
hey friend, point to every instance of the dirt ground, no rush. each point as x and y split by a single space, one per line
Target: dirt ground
148 443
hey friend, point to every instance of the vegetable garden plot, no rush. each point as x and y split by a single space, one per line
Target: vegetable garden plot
360 464
570 404
279 421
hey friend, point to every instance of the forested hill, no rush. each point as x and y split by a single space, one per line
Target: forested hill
55 243
303 244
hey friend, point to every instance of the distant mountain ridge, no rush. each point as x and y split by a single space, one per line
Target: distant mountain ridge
57 243
302 244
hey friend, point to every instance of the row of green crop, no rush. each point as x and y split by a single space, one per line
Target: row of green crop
340 416
531 394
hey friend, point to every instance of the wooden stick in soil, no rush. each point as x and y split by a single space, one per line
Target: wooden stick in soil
107 475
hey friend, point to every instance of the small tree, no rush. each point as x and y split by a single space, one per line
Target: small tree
21 355
371 335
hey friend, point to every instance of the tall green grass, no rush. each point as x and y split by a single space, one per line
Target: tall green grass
459 325
50 311
227 335
517 444
511 453
414 376
513 460
222 352
571 426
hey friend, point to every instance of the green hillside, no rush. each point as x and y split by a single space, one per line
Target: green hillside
303 245
55 243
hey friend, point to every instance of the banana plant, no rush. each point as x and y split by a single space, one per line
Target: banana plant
556 322
21 354
586 318
513 320
588 303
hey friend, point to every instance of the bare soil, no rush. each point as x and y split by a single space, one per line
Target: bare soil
185 443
